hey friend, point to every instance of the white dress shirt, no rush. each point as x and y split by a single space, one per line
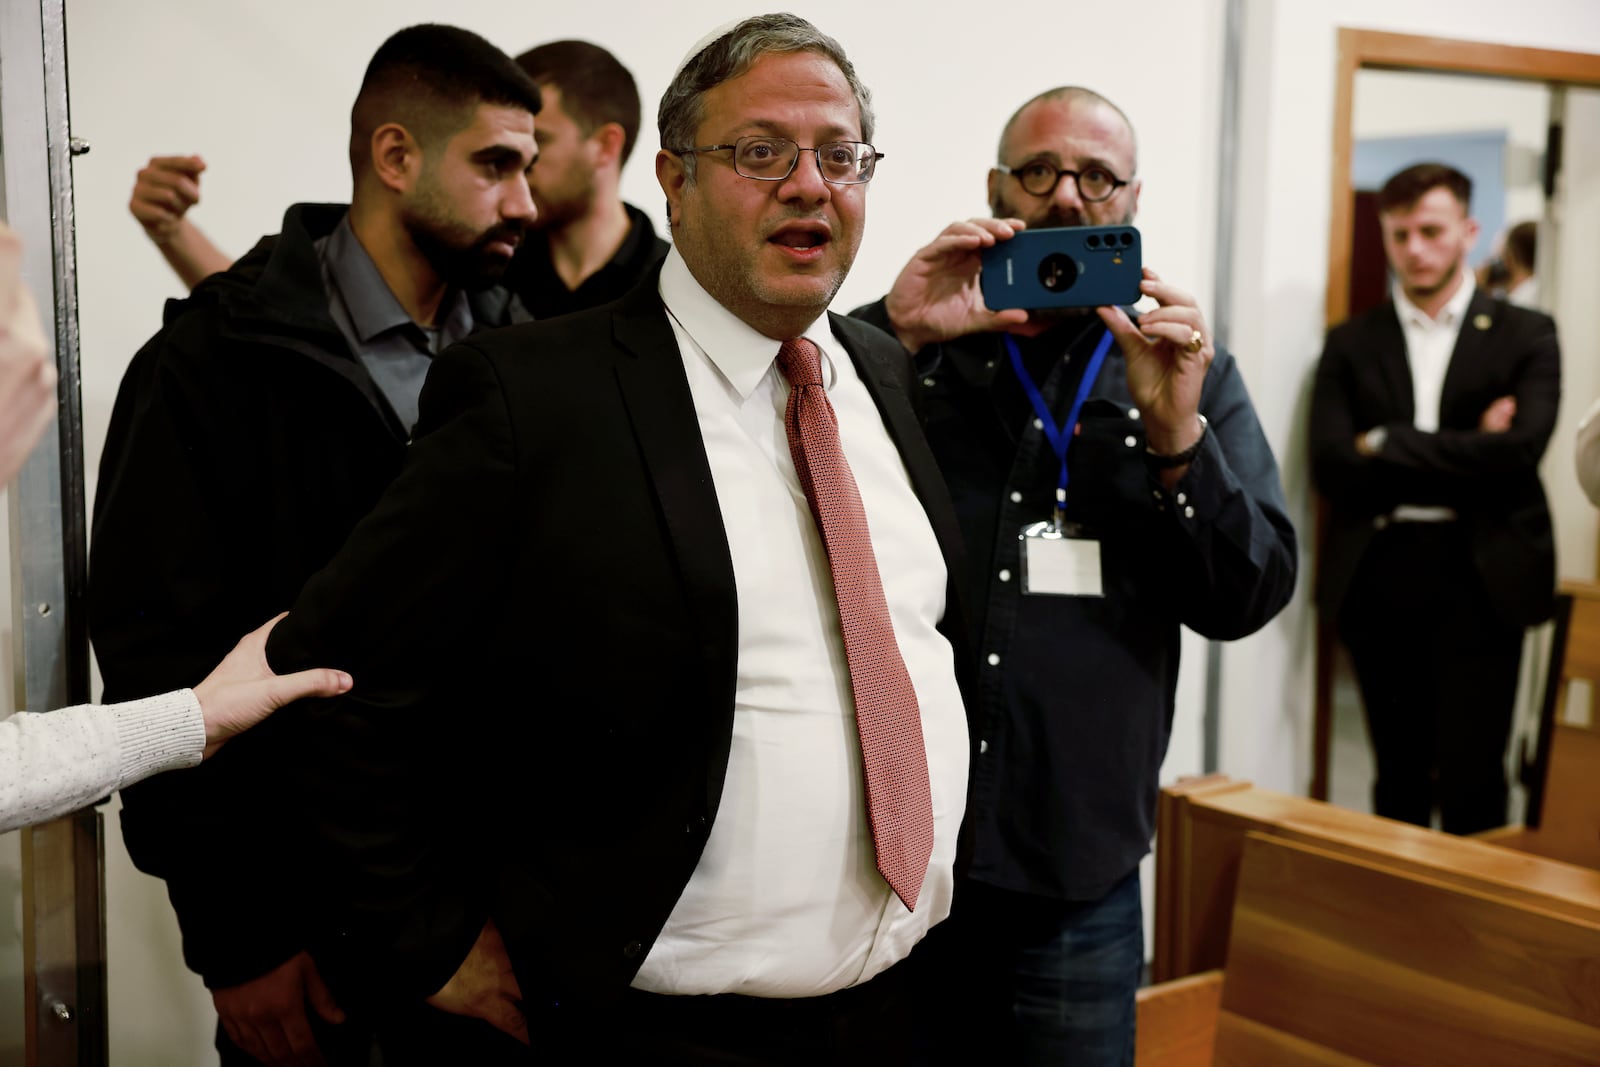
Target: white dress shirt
1526 293
1429 343
787 900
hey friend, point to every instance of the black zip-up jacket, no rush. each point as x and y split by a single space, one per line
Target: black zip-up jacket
246 441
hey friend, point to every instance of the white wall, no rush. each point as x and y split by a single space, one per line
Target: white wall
1392 103
263 91
1287 149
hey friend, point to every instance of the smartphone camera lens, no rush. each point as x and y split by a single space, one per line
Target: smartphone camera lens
1127 239
1093 240
1058 272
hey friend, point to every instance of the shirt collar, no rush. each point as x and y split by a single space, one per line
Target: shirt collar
1449 316
741 354
372 305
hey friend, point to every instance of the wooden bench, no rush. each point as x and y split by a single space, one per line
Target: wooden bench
1202 824
1350 940
1334 960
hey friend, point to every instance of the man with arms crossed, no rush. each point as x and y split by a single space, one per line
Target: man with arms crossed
695 546
248 438
1171 489
1428 418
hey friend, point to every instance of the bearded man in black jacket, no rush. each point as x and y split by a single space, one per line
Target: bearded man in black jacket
259 425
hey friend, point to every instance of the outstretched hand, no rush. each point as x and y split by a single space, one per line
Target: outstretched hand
937 296
243 690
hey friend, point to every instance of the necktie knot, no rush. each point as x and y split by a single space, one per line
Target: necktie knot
800 362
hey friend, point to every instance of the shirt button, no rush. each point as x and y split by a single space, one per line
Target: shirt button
927 381
1188 513
989 364
1130 440
632 949
1005 576
1038 424
1133 413
994 659
983 746
1016 498
1182 498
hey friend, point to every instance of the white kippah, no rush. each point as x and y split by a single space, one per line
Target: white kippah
702 44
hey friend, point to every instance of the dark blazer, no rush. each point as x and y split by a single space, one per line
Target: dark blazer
246 442
541 619
1490 479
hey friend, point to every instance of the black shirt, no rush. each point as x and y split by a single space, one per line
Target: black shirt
1078 693
533 277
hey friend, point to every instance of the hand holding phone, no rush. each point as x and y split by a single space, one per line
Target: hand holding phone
1067 267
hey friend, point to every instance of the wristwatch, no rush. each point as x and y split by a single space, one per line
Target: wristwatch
1178 459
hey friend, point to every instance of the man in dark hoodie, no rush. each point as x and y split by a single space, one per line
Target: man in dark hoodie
259 425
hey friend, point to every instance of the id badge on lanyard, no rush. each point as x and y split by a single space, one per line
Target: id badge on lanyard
1060 558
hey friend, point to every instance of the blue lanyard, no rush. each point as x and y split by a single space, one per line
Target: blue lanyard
1060 436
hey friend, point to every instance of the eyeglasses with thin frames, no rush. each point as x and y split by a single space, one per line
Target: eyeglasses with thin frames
772 159
1040 178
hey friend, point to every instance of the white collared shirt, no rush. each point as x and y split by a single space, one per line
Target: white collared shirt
787 900
1526 293
1429 343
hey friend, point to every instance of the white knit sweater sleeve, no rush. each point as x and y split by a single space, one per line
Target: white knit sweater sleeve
59 761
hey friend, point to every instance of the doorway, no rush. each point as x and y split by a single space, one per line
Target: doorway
1558 87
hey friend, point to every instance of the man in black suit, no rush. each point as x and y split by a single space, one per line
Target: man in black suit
673 848
1428 419
286 387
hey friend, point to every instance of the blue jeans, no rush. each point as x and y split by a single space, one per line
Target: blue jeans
1028 980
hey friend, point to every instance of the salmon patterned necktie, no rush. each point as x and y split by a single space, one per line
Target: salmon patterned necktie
888 721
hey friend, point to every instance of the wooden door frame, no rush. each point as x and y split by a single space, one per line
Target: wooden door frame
1377 50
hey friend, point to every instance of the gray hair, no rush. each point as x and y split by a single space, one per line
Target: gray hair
731 55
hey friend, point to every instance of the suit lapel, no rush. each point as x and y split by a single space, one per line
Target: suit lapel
885 369
655 390
1389 342
1467 358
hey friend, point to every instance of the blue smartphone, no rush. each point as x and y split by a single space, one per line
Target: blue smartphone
1069 267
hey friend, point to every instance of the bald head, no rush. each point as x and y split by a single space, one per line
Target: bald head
1074 100
1069 134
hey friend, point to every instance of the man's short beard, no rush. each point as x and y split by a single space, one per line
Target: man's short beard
466 266
1444 280
556 215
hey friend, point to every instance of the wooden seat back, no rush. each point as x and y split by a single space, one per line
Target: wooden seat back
1335 959
1200 841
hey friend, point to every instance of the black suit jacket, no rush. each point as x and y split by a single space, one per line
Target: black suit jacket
1490 479
541 620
